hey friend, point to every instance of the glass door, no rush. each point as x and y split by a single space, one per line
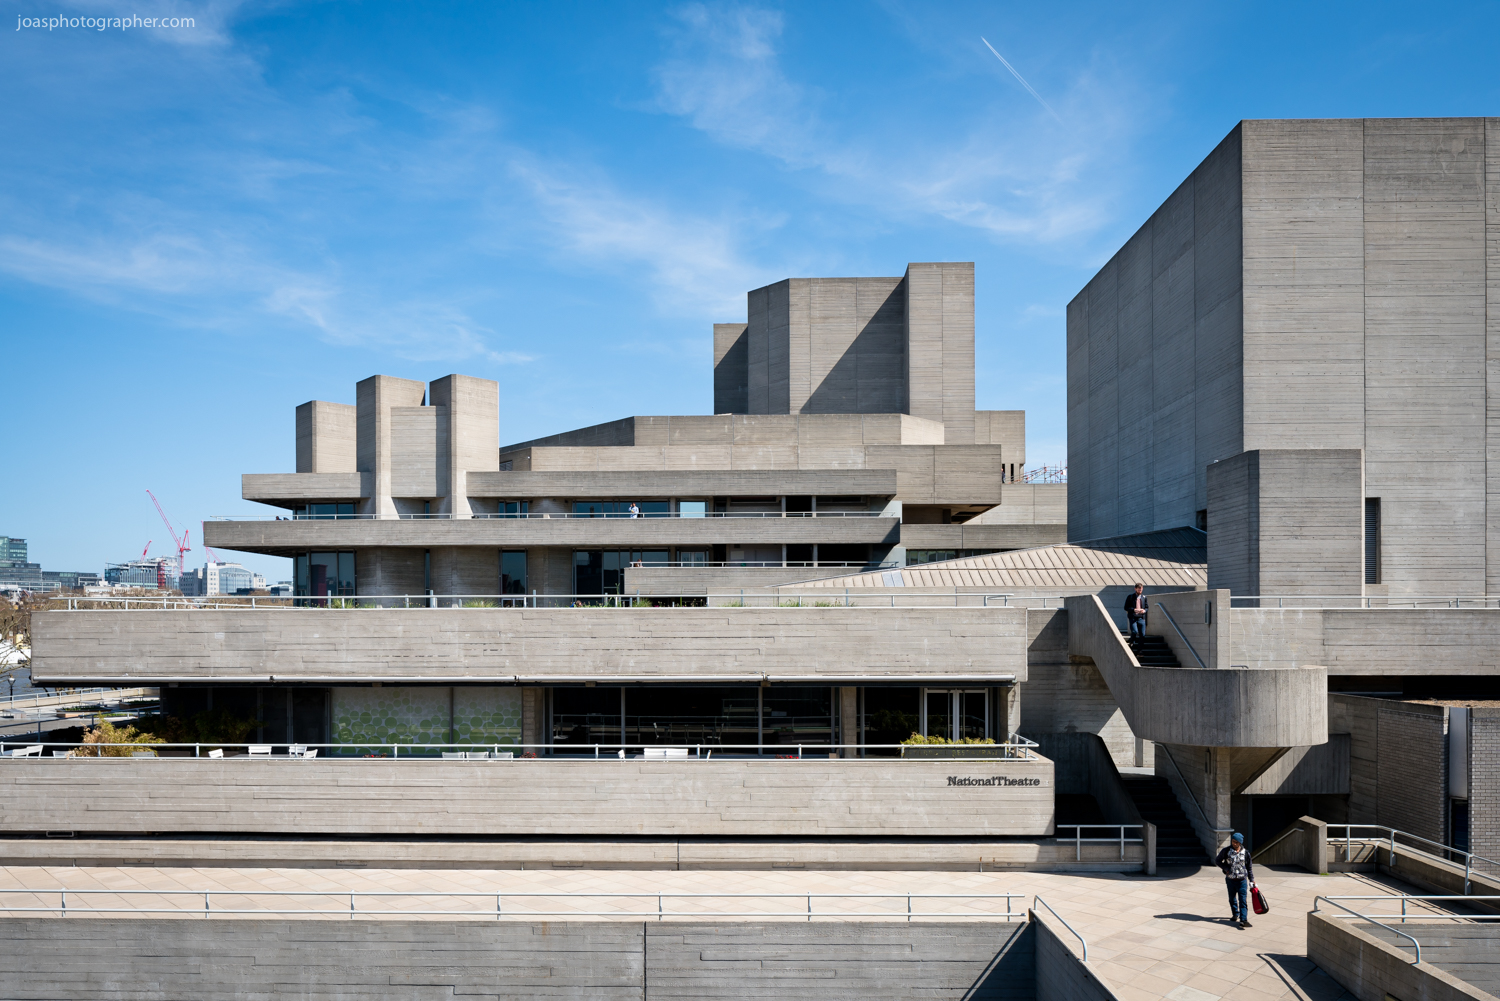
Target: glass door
955 714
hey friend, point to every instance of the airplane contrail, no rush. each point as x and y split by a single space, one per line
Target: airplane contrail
1029 89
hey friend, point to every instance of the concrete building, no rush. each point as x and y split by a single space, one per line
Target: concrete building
1291 354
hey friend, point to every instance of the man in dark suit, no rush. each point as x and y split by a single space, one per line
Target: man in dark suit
1135 611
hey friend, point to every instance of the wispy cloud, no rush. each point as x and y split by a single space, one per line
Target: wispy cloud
1014 178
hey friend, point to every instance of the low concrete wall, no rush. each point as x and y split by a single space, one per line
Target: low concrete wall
513 645
1060 974
826 854
1211 708
1373 641
1371 970
869 798
1303 843
93 958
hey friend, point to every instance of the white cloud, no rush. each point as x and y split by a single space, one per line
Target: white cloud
1012 171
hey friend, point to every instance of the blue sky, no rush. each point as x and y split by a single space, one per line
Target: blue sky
201 228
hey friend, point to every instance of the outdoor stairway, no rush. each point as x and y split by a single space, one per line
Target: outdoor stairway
1176 844
1152 651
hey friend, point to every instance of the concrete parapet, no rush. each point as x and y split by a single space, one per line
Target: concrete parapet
535 646
1373 970
1061 975
1303 843
530 798
1197 706
93 959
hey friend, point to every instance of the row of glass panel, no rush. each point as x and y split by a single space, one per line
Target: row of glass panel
774 717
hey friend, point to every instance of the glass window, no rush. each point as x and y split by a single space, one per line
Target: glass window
322 511
585 717
682 716
797 715
891 716
692 509
692 557
512 509
603 571
621 509
513 572
324 575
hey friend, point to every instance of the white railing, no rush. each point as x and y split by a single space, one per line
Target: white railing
553 515
1389 836
1016 748
1346 601
68 695
1039 900
1078 840
188 906
823 598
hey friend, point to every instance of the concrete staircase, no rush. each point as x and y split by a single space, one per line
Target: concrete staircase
1152 651
1176 843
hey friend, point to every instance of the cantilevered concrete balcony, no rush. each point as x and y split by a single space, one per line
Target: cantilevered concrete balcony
969 536
823 646
628 484
282 538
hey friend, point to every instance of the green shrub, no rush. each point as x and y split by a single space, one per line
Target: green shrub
917 738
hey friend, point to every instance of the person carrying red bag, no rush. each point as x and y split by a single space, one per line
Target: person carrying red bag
1239 876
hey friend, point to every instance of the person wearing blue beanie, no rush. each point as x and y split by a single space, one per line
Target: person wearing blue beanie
1239 876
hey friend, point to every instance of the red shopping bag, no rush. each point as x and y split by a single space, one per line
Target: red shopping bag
1258 901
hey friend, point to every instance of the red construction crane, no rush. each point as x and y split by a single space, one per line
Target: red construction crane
182 543
212 556
146 550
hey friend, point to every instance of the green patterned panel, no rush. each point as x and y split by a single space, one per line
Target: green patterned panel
372 717
487 715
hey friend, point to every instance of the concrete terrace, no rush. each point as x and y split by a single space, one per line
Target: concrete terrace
1149 937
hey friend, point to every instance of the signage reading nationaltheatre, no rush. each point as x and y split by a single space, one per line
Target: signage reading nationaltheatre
993 780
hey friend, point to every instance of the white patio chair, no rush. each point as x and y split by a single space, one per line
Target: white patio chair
504 755
453 754
217 752
61 754
143 754
310 753
296 750
34 751
260 750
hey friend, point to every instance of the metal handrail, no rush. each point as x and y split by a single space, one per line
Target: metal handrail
1390 838
1015 748
660 913
1039 900
1364 601
1407 915
1274 841
11 700
1180 635
1079 840
821 598
553 515
1365 917
1206 822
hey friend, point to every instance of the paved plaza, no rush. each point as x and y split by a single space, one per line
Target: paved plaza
1150 937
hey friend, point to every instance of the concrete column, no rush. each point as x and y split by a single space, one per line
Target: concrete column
326 437
472 407
374 398
533 704
848 720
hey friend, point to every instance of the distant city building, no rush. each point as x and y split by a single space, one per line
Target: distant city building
159 572
18 574
220 578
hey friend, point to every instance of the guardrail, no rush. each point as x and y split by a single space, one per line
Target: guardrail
1389 838
1365 917
1081 939
67 695
554 515
661 913
1016 748
1344 601
1078 840
825 598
